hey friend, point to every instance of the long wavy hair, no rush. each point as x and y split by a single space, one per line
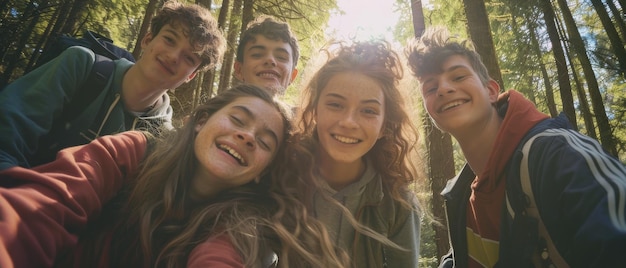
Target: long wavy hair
389 155
153 222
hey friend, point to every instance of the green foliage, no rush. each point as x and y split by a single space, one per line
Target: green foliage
428 249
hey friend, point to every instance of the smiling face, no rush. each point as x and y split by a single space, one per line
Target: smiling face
168 58
456 99
236 144
268 64
350 113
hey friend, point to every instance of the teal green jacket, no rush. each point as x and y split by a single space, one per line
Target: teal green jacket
390 218
372 205
32 124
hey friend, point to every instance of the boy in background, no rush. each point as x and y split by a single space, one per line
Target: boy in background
183 40
267 55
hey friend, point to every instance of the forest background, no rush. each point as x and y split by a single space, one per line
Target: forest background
563 55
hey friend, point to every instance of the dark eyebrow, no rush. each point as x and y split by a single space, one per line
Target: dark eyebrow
172 31
257 47
262 47
455 67
450 69
249 113
375 101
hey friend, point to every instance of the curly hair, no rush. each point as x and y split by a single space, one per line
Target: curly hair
296 179
272 29
375 59
200 27
426 54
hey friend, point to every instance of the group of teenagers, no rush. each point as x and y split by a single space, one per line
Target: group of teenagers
249 181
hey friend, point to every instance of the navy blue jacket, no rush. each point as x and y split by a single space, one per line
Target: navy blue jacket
579 189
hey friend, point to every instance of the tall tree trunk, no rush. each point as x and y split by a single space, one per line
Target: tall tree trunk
544 73
205 80
619 18
616 42
72 18
418 17
480 33
559 58
606 133
224 14
585 111
247 14
229 57
150 10
440 156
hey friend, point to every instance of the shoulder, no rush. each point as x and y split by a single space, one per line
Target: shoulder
217 252
78 53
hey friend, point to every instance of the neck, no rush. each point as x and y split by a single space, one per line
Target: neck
339 175
138 94
478 144
203 187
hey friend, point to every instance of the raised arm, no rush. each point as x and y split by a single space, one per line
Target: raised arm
42 209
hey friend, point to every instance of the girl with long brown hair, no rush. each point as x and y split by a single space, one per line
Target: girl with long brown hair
350 161
197 197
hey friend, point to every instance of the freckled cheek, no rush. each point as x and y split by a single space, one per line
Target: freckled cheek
264 161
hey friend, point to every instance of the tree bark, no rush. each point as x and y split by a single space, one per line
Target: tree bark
597 102
559 58
480 33
150 10
72 18
616 42
619 18
544 73
440 156
229 57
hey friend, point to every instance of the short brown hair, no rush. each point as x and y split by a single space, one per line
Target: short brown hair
201 28
427 53
272 29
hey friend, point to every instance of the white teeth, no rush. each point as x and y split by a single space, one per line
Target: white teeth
345 139
452 105
232 152
268 75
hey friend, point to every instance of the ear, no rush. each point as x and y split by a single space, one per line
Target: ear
146 40
200 123
237 67
494 90
294 73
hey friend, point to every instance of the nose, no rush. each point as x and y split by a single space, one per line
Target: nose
247 138
348 120
445 87
270 61
173 56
